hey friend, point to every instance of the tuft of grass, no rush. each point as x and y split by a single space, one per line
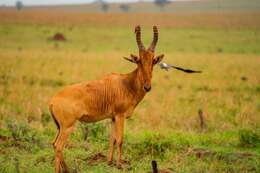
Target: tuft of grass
249 138
45 118
152 143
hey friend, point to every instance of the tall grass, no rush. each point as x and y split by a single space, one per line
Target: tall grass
164 127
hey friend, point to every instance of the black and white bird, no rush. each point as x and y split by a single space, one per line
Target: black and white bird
166 67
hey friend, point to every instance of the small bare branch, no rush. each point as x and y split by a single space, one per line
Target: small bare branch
201 119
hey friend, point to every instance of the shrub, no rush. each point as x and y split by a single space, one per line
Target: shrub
45 118
23 133
94 131
248 138
153 143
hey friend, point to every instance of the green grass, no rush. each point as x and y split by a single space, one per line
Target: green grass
164 126
90 39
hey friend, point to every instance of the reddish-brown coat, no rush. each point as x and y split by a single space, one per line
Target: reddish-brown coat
114 96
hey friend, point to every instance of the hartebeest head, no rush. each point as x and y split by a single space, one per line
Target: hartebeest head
146 59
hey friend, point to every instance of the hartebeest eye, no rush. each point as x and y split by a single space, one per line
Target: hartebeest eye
133 58
158 59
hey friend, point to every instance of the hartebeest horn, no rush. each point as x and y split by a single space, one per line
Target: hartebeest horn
155 39
138 38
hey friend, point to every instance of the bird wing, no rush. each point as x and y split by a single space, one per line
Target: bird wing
185 70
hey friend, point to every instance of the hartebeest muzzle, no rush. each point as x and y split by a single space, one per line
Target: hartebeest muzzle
147 87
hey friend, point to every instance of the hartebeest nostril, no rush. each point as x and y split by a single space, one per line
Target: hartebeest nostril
147 88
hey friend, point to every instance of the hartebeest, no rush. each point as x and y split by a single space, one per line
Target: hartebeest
115 96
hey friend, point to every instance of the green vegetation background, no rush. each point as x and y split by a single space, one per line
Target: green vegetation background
165 126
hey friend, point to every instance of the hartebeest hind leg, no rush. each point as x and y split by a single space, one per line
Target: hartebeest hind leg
59 145
55 139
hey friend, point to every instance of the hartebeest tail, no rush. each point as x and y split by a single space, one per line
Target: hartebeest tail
114 96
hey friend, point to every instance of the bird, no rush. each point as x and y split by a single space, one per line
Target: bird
154 166
155 169
166 67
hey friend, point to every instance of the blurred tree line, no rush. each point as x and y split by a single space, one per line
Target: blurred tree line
124 7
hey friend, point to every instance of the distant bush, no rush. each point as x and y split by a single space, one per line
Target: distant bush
161 3
21 134
248 138
94 131
153 143
45 118
52 83
124 7
19 5
104 5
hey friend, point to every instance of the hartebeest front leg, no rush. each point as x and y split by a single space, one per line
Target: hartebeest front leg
119 129
112 142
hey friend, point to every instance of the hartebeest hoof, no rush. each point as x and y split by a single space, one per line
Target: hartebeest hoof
119 166
65 169
110 163
123 164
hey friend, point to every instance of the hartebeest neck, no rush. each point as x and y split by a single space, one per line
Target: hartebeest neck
134 85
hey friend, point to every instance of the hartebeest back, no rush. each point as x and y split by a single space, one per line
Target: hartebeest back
115 96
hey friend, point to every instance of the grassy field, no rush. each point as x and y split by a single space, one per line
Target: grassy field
165 126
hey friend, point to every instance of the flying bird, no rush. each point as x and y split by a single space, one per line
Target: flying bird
166 67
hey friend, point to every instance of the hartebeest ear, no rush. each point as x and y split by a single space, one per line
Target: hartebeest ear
133 59
158 59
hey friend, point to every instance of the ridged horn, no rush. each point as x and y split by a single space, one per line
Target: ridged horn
155 39
138 38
